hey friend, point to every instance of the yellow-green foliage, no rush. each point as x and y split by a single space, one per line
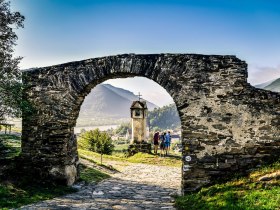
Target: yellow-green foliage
155 160
83 143
91 175
96 157
96 141
119 148
137 158
16 129
241 194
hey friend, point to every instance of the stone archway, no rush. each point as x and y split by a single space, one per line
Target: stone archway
227 125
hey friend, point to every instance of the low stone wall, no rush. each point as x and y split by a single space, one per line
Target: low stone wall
140 147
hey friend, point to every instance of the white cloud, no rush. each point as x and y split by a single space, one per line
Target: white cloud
160 98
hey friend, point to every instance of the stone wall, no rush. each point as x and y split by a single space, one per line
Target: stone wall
227 125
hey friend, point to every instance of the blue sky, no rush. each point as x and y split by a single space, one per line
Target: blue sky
58 31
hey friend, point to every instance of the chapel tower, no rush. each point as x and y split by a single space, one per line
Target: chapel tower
139 112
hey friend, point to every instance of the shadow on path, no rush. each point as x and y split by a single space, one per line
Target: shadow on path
113 193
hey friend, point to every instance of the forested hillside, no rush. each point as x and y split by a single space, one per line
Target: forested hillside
164 118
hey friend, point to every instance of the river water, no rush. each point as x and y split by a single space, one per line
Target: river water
101 127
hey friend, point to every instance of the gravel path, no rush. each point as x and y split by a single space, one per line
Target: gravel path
137 186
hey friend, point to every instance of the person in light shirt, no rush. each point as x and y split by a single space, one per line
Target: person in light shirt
167 142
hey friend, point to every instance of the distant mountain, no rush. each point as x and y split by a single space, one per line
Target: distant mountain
107 101
273 85
262 85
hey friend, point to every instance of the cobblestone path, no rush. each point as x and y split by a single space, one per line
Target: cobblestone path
137 186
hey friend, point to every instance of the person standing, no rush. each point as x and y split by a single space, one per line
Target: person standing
156 142
167 142
162 144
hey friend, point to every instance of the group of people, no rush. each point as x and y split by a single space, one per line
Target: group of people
162 141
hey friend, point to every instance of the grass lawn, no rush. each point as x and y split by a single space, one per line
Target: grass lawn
137 158
14 196
240 194
120 147
90 175
9 146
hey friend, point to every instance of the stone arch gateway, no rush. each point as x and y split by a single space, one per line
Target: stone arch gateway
228 126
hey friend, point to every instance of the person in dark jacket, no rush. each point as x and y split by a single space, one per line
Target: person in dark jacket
156 142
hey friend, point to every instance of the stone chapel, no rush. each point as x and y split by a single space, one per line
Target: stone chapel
139 112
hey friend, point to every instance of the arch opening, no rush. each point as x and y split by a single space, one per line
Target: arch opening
110 107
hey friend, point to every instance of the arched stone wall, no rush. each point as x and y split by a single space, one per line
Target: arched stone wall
228 126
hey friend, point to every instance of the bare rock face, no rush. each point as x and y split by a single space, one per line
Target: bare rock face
228 126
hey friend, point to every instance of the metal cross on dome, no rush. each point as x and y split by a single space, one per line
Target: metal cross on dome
139 96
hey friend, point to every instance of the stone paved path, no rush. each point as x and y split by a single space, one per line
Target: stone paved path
137 186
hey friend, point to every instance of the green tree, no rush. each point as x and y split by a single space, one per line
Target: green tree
122 129
88 140
10 80
104 144
96 141
164 118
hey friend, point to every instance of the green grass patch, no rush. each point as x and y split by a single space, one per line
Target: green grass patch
13 196
120 147
155 160
16 195
10 146
245 193
96 156
137 158
108 167
16 129
90 175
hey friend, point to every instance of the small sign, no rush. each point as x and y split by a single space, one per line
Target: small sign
188 158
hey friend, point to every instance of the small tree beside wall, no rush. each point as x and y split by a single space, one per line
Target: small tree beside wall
97 141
